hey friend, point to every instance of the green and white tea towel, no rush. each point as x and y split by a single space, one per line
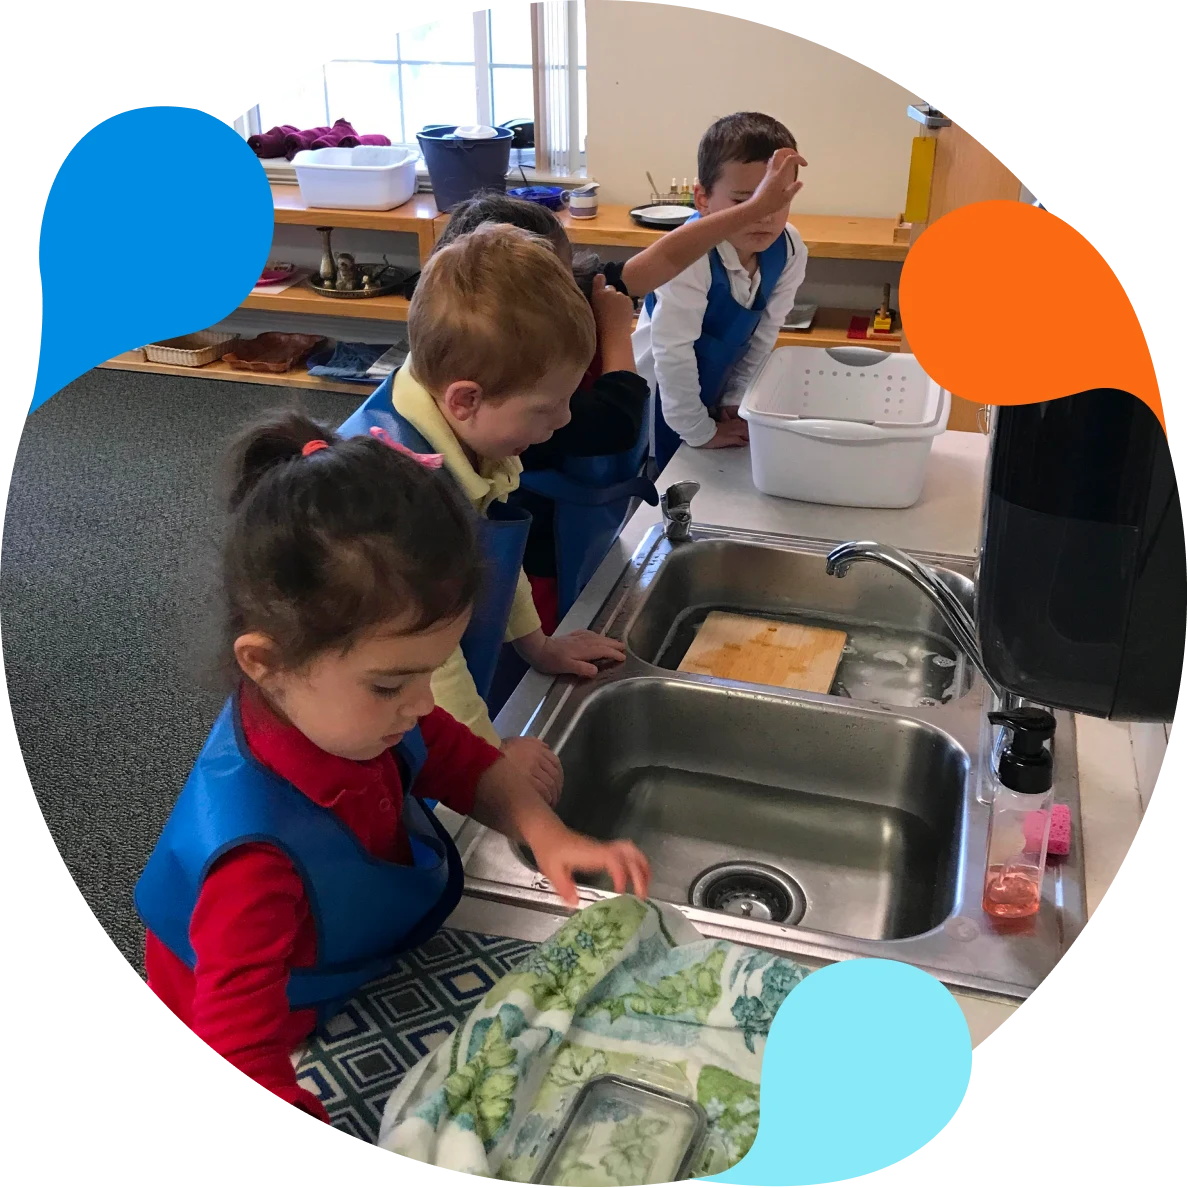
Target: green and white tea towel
625 986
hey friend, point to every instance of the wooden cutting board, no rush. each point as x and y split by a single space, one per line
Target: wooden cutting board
765 652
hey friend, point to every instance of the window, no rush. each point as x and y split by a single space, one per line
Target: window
489 68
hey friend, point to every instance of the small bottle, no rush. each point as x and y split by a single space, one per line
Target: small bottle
1020 816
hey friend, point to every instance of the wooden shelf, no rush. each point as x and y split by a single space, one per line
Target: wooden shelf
301 299
415 217
829 330
298 377
837 237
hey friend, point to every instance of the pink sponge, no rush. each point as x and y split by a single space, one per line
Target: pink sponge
1059 833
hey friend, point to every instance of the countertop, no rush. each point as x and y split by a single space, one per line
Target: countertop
946 519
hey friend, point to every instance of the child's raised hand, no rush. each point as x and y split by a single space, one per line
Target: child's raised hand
780 183
573 853
614 312
538 762
574 654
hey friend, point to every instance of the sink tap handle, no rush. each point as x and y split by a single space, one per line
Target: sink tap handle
676 508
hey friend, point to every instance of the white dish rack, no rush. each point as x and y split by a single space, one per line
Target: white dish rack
366 177
847 426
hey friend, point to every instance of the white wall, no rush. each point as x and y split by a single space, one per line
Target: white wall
658 76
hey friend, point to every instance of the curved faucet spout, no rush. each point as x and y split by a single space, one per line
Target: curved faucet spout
956 617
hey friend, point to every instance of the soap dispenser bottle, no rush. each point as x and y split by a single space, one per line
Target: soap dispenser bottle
1020 816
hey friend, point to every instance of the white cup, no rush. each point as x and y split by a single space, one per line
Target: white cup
582 206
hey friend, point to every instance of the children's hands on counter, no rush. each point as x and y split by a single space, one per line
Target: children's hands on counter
538 762
575 654
730 431
780 183
560 856
506 801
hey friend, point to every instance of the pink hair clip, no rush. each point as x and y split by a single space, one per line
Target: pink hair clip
312 447
432 461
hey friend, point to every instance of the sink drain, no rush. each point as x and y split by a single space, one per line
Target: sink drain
750 890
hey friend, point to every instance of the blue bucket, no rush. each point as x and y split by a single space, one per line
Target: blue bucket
459 169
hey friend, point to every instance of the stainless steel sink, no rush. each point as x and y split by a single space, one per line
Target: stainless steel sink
859 808
825 826
898 652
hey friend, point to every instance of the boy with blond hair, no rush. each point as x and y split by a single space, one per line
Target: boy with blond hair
500 337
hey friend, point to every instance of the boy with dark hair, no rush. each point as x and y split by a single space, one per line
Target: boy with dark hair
702 336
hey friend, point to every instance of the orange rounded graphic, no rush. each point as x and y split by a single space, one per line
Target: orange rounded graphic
1063 324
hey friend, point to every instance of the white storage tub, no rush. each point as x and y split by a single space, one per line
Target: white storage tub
847 426
366 177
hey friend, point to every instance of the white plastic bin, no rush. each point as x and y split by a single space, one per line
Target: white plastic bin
847 426
366 177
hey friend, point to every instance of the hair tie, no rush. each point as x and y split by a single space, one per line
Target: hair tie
312 447
432 461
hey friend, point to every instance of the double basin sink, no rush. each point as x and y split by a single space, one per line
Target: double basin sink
822 826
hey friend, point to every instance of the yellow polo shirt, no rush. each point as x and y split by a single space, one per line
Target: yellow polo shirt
453 688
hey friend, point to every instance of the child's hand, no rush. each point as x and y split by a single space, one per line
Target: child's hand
573 654
614 312
730 431
538 762
561 853
780 184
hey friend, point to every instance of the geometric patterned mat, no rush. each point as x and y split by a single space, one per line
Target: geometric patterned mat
355 1061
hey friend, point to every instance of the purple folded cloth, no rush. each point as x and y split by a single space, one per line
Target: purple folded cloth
287 141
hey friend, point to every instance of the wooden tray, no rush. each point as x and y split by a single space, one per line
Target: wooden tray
765 652
272 352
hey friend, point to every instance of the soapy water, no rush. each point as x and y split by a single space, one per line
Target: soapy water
1012 890
885 665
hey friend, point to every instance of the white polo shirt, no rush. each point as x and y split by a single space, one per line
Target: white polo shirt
663 341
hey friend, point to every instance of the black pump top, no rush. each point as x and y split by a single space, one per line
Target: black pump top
1026 764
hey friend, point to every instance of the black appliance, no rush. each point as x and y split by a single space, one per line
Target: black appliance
1081 584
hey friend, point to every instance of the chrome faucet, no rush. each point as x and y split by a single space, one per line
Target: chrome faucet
956 617
676 508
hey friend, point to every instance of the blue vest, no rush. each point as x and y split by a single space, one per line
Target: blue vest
502 532
365 911
591 498
726 333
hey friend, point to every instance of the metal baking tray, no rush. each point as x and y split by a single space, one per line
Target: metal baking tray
605 1106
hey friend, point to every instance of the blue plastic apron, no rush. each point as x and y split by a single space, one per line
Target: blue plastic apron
591 499
366 911
503 535
726 333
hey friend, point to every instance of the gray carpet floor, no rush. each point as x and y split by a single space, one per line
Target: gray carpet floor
111 527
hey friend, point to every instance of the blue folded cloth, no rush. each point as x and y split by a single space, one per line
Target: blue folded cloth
347 361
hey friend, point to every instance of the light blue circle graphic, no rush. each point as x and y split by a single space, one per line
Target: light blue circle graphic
162 218
866 1062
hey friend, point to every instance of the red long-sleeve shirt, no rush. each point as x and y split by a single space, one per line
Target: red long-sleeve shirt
252 922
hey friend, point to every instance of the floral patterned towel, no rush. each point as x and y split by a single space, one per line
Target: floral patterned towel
625 986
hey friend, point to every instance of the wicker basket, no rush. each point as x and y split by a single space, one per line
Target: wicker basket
191 350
